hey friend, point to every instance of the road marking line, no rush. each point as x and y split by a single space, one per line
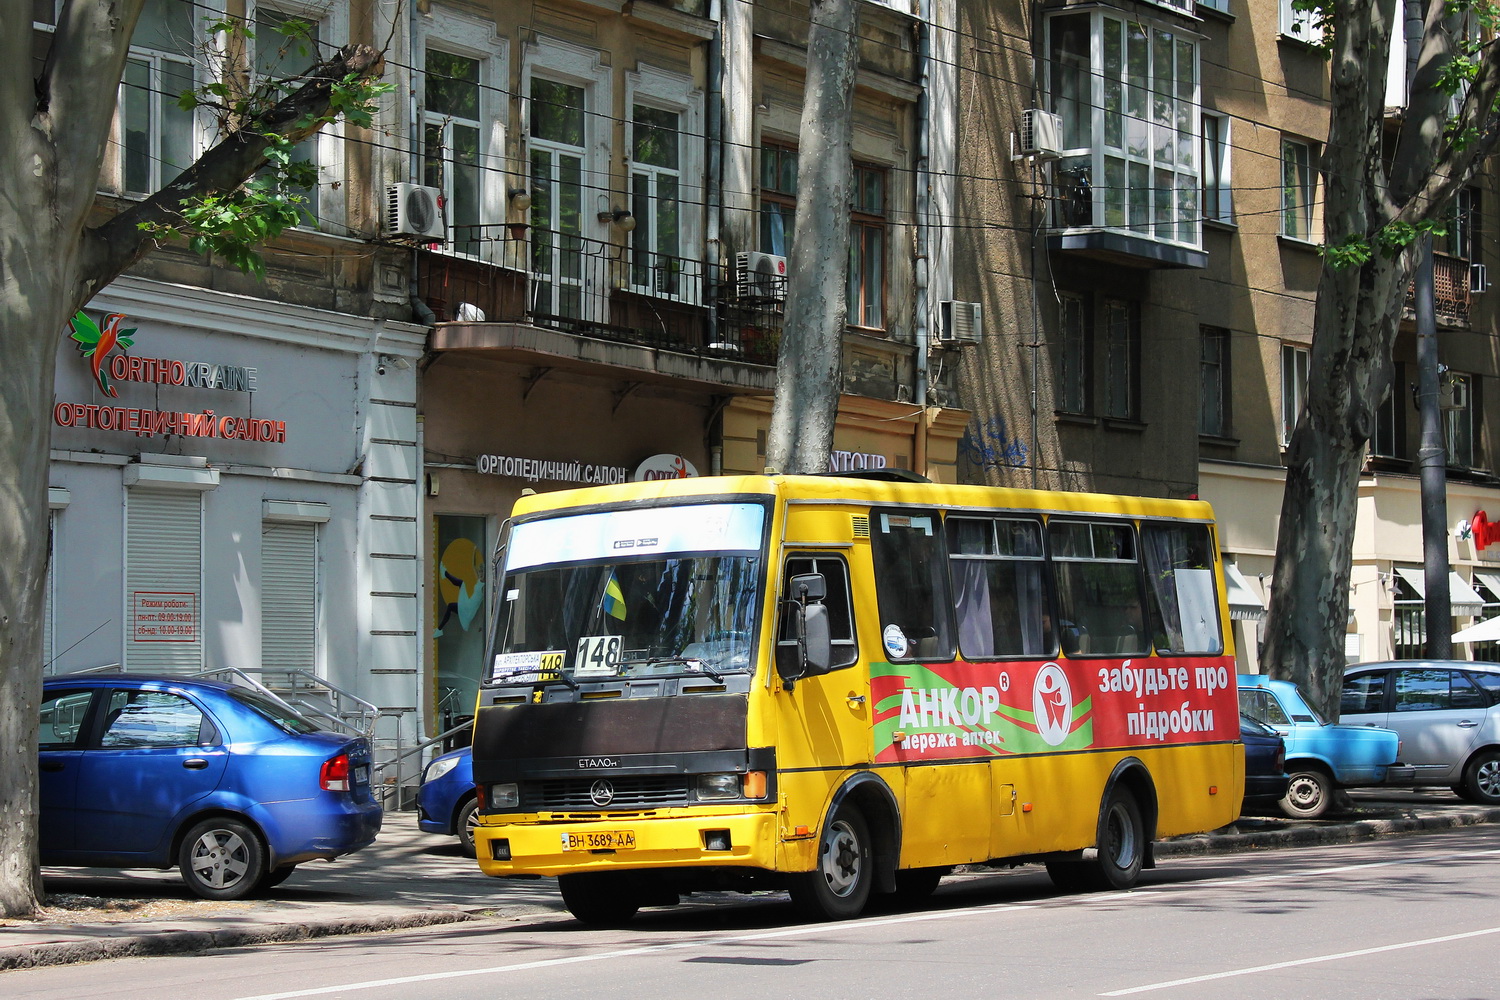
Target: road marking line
1302 961
866 922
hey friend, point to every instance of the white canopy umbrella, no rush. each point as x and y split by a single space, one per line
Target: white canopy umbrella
1485 631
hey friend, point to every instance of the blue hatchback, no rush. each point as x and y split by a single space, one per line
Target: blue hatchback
228 785
446 802
1320 756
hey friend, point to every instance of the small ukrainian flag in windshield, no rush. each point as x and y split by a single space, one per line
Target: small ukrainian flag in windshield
614 598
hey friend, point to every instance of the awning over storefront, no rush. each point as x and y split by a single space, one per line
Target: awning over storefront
1485 631
1464 599
1243 604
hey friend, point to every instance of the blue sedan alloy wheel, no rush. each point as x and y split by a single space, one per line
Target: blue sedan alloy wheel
222 858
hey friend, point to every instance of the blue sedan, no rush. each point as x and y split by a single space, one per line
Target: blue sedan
446 801
228 785
1320 756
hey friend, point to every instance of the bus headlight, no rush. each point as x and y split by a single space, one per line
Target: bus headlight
718 786
507 796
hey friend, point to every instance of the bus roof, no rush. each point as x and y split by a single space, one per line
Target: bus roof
839 489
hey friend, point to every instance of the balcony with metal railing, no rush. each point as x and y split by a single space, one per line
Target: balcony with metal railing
1450 291
564 297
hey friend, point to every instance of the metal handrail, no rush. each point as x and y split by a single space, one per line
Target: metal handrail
423 745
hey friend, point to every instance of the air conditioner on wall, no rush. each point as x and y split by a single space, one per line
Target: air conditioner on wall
1041 134
760 275
960 324
414 212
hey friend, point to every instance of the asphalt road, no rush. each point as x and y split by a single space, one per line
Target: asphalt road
1398 919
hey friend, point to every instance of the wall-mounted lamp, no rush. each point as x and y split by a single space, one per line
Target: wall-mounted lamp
520 198
620 218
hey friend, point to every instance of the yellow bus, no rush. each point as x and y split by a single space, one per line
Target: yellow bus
844 686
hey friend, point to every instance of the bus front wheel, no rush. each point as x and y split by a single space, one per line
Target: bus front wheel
839 887
603 899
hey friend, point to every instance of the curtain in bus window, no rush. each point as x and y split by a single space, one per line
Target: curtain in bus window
1098 589
911 584
997 581
1180 587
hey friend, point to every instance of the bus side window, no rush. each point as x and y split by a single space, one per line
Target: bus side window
1180 588
911 585
835 573
999 587
1098 581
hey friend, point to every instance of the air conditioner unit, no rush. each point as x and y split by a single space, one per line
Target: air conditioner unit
1453 392
760 275
1479 278
1041 134
960 323
414 212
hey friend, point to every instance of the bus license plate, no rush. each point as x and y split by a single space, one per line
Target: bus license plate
605 840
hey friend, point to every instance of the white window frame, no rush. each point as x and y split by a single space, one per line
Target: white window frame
1142 221
332 20
1295 359
1298 24
1216 161
665 91
474 38
1461 425
1222 6
1308 188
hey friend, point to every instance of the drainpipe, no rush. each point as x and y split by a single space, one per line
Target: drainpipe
714 180
421 312
922 272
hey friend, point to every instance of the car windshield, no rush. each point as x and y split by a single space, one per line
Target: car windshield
631 593
277 714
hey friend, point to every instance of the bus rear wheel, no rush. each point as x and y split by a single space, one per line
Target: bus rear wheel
603 899
1121 850
839 887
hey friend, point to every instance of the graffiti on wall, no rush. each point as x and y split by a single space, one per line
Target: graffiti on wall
989 443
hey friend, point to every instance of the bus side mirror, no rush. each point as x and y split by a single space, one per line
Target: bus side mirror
805 648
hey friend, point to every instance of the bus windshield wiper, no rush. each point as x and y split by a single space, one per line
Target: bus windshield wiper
698 665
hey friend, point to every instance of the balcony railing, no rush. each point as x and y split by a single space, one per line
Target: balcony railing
561 281
1450 290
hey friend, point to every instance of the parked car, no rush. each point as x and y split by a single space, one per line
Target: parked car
1448 715
1320 756
233 788
446 801
1266 779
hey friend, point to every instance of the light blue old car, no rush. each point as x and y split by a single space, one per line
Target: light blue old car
1320 756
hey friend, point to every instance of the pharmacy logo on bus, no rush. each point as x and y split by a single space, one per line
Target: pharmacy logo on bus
1052 702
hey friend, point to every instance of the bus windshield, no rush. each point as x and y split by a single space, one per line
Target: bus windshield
631 593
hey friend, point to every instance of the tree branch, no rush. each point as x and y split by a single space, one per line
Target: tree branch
117 244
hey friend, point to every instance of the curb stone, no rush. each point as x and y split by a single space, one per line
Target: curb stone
1308 836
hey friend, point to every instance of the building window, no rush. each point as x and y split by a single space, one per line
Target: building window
1073 354
1218 201
163 581
1299 24
1297 187
289 596
867 249
286 45
1463 235
1390 421
158 138
1408 619
778 198
1127 94
1222 6
1122 348
451 143
656 200
1293 388
1461 419
557 165
1213 371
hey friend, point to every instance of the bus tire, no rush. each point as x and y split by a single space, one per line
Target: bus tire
839 886
602 899
1122 842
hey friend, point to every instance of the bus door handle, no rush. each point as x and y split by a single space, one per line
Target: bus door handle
856 699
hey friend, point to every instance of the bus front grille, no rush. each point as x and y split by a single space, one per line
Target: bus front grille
572 794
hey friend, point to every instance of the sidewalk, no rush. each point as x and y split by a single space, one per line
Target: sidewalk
413 879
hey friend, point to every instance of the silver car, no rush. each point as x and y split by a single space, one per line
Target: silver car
1448 715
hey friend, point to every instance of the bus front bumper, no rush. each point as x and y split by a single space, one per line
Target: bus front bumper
690 840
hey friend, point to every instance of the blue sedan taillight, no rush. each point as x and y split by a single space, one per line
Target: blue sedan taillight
334 776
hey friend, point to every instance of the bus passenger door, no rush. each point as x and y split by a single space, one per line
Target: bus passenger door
826 719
